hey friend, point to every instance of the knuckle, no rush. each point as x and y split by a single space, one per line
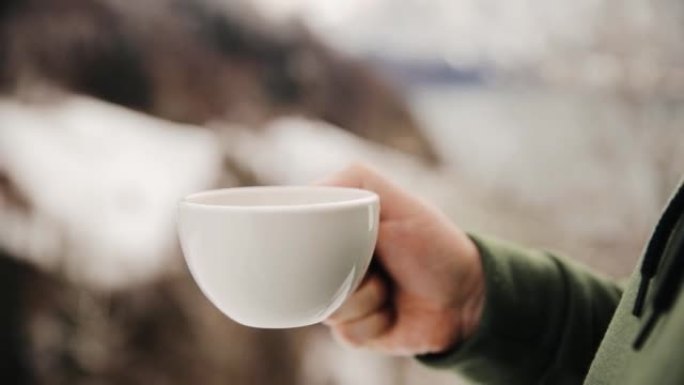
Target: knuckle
360 169
357 166
348 337
347 311
335 318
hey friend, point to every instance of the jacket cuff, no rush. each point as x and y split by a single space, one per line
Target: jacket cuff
518 285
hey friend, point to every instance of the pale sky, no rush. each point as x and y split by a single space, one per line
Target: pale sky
462 31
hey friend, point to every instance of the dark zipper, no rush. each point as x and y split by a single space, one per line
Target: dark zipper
668 288
656 247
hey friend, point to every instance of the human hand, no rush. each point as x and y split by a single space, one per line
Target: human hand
425 291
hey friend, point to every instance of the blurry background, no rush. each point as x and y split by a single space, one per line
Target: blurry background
558 124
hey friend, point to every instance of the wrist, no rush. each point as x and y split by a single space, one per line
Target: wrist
471 291
471 315
465 313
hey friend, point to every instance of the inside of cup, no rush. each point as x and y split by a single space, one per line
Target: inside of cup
279 196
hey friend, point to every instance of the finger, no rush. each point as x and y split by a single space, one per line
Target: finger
396 203
369 297
364 331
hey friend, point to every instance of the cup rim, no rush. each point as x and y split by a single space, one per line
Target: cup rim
368 197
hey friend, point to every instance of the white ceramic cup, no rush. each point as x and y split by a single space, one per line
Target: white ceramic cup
278 257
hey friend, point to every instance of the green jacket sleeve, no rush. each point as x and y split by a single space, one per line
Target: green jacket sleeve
543 319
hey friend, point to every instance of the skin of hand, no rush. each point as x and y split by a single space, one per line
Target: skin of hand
424 292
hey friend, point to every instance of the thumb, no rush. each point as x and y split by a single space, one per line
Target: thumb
395 203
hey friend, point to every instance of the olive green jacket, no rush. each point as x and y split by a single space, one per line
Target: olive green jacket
548 320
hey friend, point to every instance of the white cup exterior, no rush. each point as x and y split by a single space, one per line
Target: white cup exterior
279 256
